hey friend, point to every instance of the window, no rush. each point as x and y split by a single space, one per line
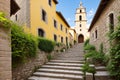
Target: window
44 15
61 39
66 40
50 2
96 34
80 18
61 27
55 38
66 30
80 25
16 17
111 22
80 11
40 33
55 23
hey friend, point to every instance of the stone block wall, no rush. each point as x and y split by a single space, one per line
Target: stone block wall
5 54
102 25
23 71
5 44
23 15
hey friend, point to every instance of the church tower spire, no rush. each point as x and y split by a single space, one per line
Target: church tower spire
81 23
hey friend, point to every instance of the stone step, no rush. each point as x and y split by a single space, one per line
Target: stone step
66 61
55 75
102 73
61 67
60 71
68 58
99 75
100 68
66 64
44 78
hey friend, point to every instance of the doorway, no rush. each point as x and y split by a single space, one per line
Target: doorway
80 38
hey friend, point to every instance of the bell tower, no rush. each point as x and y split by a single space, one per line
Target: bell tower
81 24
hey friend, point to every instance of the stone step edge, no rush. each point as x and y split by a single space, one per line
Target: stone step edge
64 64
66 61
63 72
45 78
63 67
57 76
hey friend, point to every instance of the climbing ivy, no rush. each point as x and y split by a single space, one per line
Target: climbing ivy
5 22
114 61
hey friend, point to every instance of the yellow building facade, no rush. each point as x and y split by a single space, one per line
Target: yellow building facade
45 21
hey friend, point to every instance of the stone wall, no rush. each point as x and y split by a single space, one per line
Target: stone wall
23 71
23 15
102 25
5 46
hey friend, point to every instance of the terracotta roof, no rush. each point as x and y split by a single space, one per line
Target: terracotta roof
55 1
13 7
100 9
62 17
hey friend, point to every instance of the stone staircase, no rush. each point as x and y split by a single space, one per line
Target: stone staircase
66 66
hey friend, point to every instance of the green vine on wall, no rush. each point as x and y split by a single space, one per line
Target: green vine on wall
114 61
5 22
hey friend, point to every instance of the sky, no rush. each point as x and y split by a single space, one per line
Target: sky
68 9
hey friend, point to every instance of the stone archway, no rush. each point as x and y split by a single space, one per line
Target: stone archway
80 38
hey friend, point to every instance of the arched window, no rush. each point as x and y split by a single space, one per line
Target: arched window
80 11
80 17
80 25
41 33
111 22
66 40
55 38
61 39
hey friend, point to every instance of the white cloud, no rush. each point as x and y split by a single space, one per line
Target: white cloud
68 19
90 16
91 13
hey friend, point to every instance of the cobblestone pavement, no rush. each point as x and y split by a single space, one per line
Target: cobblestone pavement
65 66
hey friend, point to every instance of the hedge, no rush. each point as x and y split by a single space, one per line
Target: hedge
46 45
23 45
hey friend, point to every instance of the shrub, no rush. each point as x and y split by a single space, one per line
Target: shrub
49 57
23 45
5 22
89 47
59 44
75 41
46 45
86 68
114 61
93 54
86 42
